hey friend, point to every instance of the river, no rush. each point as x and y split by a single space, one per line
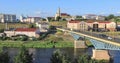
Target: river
42 55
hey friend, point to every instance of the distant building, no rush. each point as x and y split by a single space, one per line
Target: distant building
77 25
62 15
91 25
31 32
30 19
94 17
106 25
43 26
100 17
58 14
4 18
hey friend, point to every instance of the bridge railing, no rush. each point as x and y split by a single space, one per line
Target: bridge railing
95 35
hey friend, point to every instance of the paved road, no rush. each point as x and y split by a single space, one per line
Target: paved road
98 35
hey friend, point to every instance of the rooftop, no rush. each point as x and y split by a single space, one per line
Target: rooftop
26 29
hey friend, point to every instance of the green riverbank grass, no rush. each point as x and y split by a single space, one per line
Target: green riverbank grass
35 44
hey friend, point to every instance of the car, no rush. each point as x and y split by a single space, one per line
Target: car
110 38
103 35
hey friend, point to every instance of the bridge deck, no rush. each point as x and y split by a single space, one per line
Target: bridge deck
92 37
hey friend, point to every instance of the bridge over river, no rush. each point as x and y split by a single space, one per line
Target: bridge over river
101 44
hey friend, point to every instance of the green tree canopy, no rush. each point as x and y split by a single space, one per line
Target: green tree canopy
111 16
58 18
58 57
4 57
23 56
32 25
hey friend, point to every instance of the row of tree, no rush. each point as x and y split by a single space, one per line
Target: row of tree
57 57
22 57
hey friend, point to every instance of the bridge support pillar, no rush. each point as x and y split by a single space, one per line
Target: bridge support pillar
100 55
79 44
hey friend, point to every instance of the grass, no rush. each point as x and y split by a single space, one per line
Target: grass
35 44
59 23
13 25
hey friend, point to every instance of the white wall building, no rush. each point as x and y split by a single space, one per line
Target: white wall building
7 18
92 16
31 32
30 19
43 26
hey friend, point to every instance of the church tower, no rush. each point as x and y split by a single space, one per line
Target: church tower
57 13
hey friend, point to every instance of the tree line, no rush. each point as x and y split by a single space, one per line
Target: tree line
57 57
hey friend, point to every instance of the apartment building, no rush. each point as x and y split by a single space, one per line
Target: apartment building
30 19
5 18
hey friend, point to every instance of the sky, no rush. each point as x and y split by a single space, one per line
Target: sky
46 8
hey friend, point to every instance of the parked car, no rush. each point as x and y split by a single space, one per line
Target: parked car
110 38
103 35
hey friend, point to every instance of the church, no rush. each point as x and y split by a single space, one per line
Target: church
62 15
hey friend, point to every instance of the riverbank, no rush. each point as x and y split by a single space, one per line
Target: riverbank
36 44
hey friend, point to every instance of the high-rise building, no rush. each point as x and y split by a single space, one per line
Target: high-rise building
4 18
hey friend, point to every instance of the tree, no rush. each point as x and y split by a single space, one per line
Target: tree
1 30
4 57
23 56
111 16
24 38
32 26
58 18
58 57
78 16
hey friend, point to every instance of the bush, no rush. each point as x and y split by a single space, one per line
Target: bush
1 30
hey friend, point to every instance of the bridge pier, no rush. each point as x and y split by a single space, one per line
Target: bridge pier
79 44
100 55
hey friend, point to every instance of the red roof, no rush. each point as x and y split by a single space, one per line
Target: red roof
74 21
105 22
26 29
64 14
92 21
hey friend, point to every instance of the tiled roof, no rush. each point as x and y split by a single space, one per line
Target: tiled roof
26 29
92 21
64 14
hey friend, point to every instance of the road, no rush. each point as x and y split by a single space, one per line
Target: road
115 41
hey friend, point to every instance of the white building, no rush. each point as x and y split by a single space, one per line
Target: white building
30 19
43 26
94 17
100 17
31 32
7 18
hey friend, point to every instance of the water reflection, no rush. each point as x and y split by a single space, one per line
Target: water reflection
42 55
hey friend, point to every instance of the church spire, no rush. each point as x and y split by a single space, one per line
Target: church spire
58 12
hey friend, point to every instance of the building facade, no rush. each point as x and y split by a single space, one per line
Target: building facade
91 25
94 17
73 25
43 26
77 25
30 19
106 25
31 32
62 15
6 18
